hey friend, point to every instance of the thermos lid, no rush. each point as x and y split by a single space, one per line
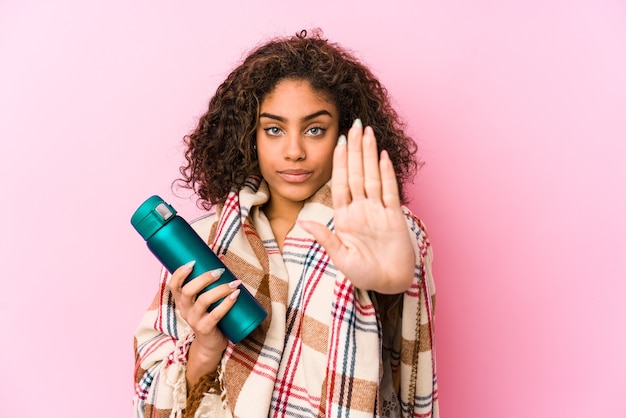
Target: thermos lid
151 216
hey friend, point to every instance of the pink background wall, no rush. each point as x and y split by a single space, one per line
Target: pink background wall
519 110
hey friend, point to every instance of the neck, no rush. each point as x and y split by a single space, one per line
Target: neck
282 216
279 209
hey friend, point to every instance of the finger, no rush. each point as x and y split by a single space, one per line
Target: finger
179 276
371 166
391 195
198 284
218 312
323 235
214 295
203 306
339 184
355 160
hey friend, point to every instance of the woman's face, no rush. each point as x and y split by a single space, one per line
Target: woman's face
296 135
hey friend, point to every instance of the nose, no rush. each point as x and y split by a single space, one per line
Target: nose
294 148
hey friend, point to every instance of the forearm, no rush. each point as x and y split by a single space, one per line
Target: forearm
200 363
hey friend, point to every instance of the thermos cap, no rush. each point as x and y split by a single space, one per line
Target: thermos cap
151 216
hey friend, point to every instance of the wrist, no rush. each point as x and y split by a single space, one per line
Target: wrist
200 361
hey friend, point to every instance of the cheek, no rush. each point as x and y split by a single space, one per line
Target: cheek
263 153
327 161
263 162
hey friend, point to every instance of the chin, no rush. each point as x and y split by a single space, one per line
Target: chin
298 193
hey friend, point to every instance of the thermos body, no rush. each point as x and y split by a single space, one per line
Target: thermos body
177 244
174 243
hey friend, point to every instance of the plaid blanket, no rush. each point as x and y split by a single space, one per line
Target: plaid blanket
327 349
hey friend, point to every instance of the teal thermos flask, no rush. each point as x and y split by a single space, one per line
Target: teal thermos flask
172 240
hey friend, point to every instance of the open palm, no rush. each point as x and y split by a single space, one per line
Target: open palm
371 244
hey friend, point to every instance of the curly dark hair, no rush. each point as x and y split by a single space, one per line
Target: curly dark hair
220 151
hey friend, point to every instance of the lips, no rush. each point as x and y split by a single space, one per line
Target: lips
295 176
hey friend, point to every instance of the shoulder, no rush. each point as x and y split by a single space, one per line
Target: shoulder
419 236
414 223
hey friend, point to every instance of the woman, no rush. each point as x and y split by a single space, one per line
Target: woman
342 269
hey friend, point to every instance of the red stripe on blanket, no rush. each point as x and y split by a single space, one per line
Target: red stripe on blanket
285 388
301 393
250 364
343 298
365 310
153 347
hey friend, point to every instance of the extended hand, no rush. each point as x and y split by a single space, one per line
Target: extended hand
371 244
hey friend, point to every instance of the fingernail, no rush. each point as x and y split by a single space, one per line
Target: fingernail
357 123
342 140
217 272
234 295
189 265
234 284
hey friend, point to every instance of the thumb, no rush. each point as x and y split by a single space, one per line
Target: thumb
323 235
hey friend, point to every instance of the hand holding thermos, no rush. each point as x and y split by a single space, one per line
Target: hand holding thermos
172 240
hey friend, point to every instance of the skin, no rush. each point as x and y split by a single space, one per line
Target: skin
298 153
296 136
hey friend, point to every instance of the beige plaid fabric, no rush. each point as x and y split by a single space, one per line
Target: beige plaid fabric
326 349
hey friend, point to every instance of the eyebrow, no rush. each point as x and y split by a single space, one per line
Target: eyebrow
304 119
